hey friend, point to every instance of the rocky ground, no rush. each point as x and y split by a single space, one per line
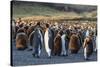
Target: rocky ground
20 58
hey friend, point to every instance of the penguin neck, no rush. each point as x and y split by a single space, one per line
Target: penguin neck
59 35
47 29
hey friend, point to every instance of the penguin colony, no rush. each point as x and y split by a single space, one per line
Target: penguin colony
58 39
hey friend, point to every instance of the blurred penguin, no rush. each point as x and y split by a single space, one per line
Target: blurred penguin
88 47
48 40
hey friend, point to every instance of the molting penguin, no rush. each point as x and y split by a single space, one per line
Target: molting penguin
74 44
57 44
88 47
21 39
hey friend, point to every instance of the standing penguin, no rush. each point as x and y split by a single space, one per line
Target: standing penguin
87 33
21 39
74 44
57 44
48 40
63 45
36 40
88 47
13 25
30 33
64 40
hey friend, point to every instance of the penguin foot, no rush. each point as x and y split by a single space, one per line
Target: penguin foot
29 49
86 59
49 57
37 56
66 55
63 55
33 55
